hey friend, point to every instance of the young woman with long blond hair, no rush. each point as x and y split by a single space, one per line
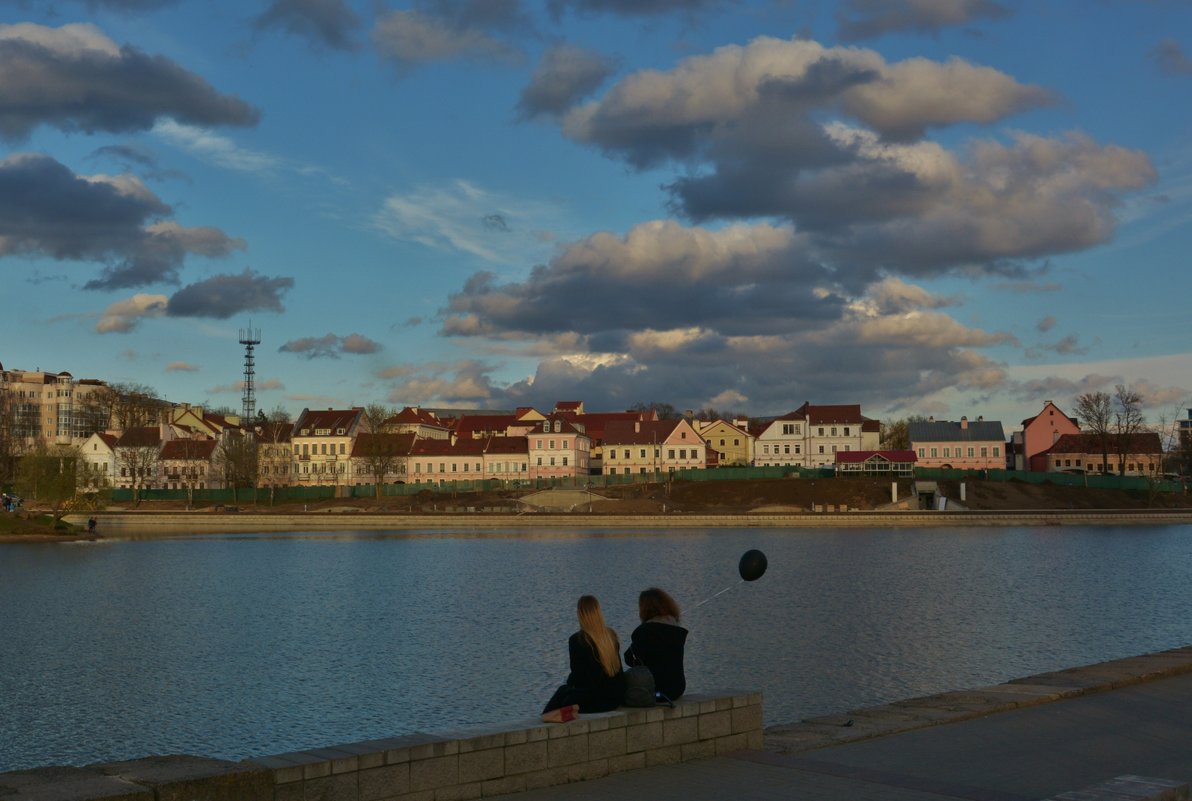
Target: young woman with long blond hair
595 683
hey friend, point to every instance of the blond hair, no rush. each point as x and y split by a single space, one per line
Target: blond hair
602 639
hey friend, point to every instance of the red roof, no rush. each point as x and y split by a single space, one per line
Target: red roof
188 450
840 413
482 425
140 437
864 456
414 416
367 445
331 419
642 432
1141 443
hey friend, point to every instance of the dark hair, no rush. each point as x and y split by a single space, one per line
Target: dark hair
656 603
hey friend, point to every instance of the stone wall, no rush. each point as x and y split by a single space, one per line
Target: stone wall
450 766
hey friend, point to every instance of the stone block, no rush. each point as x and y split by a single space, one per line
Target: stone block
192 778
597 724
441 748
525 758
705 749
643 737
384 782
627 762
678 732
516 737
605 744
716 724
756 740
546 778
288 792
537 733
316 770
567 751
723 704
706 707
571 729
664 756
476 766
747 719
332 788
482 742
433 773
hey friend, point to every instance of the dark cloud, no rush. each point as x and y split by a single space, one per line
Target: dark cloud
865 19
223 296
128 6
450 30
832 139
565 75
330 23
634 8
76 79
331 346
1171 58
47 210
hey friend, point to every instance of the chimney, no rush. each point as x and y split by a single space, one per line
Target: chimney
980 418
963 423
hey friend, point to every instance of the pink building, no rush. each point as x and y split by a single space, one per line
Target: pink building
1042 431
963 445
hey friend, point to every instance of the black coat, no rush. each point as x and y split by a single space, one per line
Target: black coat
659 646
594 690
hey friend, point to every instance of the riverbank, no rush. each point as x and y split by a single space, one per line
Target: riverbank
22 527
353 519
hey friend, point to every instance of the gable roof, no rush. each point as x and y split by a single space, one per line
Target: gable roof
644 432
369 444
331 420
1030 420
1147 442
188 449
140 437
950 431
828 414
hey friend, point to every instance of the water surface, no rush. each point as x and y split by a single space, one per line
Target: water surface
242 645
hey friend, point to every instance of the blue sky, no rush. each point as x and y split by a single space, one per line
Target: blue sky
924 206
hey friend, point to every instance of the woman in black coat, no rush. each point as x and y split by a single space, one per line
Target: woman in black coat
658 642
595 683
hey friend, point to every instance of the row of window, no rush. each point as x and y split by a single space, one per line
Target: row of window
959 452
611 453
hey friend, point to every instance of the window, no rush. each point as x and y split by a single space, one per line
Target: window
643 454
934 453
821 431
997 451
766 450
540 461
787 449
670 453
564 461
442 467
736 441
846 431
985 451
833 430
798 448
552 444
552 461
612 471
947 452
833 449
972 452
682 453
788 429
465 467
626 453
722 443
564 444
539 445
821 448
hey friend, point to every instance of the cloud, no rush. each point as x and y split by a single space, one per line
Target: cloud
1171 58
136 157
329 23
223 296
47 210
330 346
462 216
124 316
565 75
688 314
1047 323
449 30
635 8
218 150
865 19
830 138
465 383
182 367
75 78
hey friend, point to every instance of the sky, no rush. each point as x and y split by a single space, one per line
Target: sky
935 207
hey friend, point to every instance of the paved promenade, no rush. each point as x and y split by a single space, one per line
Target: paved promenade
1033 738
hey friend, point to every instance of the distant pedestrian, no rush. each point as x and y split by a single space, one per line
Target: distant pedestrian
91 525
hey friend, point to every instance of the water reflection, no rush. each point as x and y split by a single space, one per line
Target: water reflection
236 645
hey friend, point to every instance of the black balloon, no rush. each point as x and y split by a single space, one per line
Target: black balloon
753 565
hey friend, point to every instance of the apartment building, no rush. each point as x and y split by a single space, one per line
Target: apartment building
730 444
812 435
1081 453
558 448
645 447
962 445
52 407
321 441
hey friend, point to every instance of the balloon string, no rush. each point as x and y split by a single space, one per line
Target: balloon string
717 595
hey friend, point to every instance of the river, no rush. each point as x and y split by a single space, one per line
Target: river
241 645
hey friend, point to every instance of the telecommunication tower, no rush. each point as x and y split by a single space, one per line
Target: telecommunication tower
249 337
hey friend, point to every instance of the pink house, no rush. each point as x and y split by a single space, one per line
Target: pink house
1042 431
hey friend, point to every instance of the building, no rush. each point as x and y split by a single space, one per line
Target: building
138 457
99 460
730 444
882 464
651 447
386 455
52 408
962 445
558 449
322 445
422 423
1081 453
1038 434
275 454
811 436
189 464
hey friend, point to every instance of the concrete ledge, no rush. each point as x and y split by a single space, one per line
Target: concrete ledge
950 707
468 763
478 762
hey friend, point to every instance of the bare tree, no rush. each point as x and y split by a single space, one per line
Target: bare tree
1094 410
138 453
236 455
49 475
274 458
1128 421
12 445
896 435
123 406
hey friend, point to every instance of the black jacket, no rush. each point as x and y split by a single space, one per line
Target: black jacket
596 690
659 646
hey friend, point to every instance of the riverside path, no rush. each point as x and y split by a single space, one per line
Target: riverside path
1072 732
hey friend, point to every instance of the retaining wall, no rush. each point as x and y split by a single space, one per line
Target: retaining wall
459 765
